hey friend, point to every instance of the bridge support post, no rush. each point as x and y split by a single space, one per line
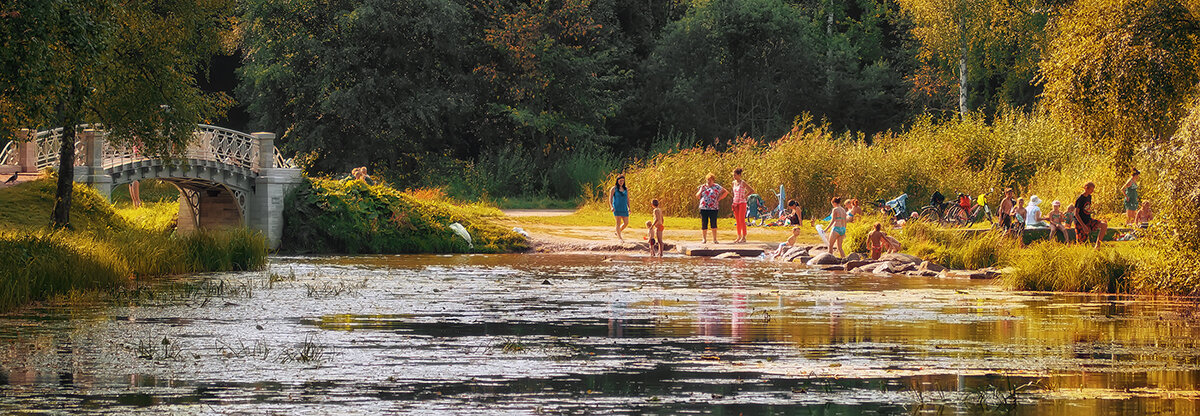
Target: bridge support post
92 172
264 209
26 151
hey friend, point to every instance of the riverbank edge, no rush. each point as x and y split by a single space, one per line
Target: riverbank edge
105 250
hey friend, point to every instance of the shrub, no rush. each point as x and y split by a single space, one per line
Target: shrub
352 217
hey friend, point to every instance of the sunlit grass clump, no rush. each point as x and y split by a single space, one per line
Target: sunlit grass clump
1031 153
349 216
36 266
1072 268
105 247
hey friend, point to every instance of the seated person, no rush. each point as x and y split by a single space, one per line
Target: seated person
1069 216
1055 219
787 245
1144 215
1033 214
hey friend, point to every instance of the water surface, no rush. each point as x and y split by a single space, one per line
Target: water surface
563 334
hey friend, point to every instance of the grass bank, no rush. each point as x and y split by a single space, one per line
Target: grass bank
106 247
347 216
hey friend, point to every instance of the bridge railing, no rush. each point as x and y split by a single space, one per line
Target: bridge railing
212 143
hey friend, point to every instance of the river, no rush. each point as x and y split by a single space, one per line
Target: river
571 334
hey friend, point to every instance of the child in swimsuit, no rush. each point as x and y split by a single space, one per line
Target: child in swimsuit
837 226
1055 219
653 246
875 241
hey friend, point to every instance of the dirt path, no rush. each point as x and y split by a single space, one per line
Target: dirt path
553 236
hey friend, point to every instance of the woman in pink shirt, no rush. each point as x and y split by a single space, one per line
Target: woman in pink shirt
741 190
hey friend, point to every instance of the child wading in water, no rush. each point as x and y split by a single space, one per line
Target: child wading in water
654 245
658 225
837 226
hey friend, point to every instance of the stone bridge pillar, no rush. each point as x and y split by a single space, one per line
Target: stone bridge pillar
92 170
264 208
26 151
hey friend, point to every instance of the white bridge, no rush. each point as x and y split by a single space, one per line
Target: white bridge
225 177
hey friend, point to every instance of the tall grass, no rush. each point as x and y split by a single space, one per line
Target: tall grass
36 266
106 247
333 216
1031 153
1072 268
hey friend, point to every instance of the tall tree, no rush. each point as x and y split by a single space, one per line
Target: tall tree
129 65
1123 71
553 72
989 48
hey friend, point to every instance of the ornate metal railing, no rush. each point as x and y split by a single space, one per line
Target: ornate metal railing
212 143
8 155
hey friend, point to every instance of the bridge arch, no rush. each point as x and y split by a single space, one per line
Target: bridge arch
225 177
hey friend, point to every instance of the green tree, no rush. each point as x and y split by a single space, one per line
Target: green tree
988 49
384 83
1122 71
554 72
733 67
126 64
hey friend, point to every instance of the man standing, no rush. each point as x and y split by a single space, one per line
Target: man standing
1084 222
1006 206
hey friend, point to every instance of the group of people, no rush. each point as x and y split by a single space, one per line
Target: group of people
1014 215
710 194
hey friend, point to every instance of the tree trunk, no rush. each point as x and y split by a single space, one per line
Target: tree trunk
962 82
66 173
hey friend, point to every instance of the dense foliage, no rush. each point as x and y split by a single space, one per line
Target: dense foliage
349 216
422 91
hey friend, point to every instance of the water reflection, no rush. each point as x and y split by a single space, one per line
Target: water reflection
578 334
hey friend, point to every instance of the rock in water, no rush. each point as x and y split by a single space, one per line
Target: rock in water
933 267
900 258
854 264
824 259
855 257
728 255
794 253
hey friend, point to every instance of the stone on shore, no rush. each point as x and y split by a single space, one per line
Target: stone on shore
934 267
854 264
729 255
854 257
794 253
900 258
824 259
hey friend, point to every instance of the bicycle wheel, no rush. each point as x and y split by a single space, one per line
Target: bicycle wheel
953 216
931 214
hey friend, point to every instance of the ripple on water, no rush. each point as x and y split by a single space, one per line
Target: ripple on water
517 334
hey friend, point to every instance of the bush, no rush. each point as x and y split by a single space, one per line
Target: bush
350 216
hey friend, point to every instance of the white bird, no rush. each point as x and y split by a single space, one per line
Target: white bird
462 232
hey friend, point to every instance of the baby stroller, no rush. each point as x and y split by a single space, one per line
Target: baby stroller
756 210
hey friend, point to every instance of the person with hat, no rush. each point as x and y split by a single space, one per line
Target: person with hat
1033 214
1055 219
